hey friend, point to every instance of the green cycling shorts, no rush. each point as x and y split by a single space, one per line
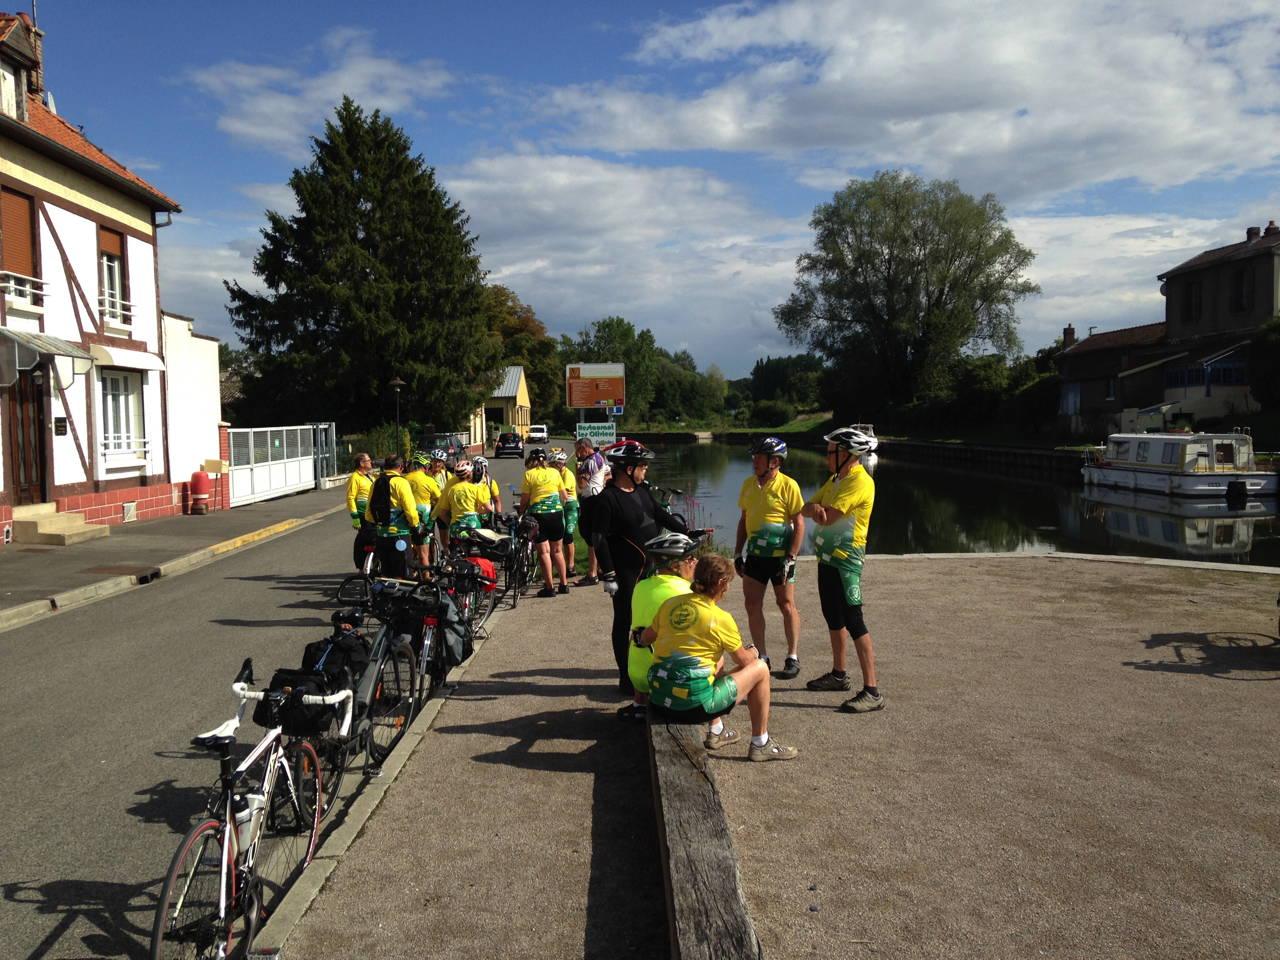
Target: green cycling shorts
570 517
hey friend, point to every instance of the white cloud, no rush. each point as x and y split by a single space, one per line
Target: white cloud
272 196
277 107
191 275
1024 99
675 249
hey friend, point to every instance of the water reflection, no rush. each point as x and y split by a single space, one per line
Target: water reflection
922 509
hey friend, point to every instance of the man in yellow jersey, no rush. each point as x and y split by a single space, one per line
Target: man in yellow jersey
439 471
393 509
673 557
771 530
480 474
426 491
358 486
542 495
842 512
463 502
559 460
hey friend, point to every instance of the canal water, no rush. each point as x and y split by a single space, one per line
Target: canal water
921 509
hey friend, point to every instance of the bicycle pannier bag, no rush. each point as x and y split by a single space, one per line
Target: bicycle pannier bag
380 500
289 713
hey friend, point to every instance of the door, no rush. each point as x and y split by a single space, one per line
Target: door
24 434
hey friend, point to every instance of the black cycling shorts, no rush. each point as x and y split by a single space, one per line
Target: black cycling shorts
838 614
765 569
697 714
550 527
584 517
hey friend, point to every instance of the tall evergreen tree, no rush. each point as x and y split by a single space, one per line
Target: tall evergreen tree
375 277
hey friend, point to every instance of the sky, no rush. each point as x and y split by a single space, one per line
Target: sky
662 162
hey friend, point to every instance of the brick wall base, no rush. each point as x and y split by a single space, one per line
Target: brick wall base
153 502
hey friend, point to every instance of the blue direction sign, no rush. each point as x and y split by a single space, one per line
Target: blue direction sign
615 411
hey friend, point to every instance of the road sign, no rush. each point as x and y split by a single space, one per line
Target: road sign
592 386
598 433
615 411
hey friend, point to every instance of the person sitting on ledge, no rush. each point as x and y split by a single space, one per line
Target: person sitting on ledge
691 636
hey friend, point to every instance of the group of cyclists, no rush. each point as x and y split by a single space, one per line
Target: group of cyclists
678 653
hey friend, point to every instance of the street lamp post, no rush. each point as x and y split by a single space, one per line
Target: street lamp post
396 384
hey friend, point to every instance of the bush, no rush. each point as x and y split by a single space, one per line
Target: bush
380 442
771 413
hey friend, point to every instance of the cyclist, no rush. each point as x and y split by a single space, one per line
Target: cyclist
358 486
593 473
558 459
426 491
623 517
672 555
441 471
842 511
771 529
393 509
691 638
463 502
480 474
542 494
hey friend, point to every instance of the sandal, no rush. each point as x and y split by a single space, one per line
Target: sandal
633 711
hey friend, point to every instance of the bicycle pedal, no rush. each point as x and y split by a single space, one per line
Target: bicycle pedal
373 773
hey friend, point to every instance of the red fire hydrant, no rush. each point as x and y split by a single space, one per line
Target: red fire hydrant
201 487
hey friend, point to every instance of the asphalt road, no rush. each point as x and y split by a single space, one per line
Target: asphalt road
102 702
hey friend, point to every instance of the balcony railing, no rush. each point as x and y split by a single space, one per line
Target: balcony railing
123 445
115 310
22 291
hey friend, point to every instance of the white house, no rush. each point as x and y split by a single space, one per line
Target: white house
90 374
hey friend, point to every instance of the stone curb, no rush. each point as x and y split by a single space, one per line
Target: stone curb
26 613
1093 557
289 912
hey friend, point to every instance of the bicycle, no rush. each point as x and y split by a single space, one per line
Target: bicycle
663 496
264 819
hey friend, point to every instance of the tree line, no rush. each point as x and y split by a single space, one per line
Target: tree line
905 307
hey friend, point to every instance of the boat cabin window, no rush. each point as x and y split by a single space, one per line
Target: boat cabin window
1119 449
1143 446
1224 453
1170 531
1170 454
1224 534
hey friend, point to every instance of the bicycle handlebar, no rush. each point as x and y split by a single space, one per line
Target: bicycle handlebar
242 691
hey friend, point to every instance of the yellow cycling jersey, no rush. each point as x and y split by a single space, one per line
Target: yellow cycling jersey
570 482
463 498
777 502
404 509
690 625
425 489
543 489
853 495
358 487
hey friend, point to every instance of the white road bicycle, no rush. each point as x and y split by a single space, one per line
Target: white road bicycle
232 868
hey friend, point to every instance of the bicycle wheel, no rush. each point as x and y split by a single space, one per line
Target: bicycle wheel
482 605
187 924
392 705
290 822
332 752
372 567
429 680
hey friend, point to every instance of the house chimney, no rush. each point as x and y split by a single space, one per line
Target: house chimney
35 76
1271 230
1068 336
1251 234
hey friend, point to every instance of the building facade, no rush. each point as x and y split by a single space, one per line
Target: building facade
508 407
87 391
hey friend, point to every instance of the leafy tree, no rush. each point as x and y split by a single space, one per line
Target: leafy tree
1264 365
525 342
375 277
794 379
903 276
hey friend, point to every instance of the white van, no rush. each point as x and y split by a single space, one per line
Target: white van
537 433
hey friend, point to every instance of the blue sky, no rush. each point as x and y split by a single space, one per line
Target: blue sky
662 162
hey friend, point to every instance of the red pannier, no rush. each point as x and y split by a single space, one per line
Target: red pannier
487 570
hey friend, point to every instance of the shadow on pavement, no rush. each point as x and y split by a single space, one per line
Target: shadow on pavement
559 673
287 622
489 689
174 806
626 909
122 912
1225 656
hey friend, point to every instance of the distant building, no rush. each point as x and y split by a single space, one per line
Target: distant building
508 407
1191 367
91 375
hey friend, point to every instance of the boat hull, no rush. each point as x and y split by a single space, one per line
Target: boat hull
1257 484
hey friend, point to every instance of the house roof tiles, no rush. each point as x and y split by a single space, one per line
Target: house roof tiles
510 385
1233 251
1146 335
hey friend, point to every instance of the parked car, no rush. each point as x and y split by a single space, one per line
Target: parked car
538 433
450 443
508 444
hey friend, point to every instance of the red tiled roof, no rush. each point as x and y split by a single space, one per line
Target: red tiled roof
7 22
55 128
1233 251
1146 335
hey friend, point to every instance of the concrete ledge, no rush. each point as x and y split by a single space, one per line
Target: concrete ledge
91 592
707 914
24 613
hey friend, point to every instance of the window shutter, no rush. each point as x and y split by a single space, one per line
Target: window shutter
16 213
110 242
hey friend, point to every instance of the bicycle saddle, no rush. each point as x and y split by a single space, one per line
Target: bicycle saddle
489 536
219 738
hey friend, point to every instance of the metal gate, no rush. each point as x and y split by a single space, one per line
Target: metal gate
270 462
326 441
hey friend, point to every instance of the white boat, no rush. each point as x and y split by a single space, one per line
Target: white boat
1180 465
1203 528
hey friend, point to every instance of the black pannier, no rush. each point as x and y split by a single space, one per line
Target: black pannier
328 666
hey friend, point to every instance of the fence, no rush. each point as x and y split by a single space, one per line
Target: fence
270 462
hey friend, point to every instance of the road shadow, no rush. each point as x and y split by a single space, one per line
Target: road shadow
489 689
287 622
626 906
1224 656
121 912
559 673
177 807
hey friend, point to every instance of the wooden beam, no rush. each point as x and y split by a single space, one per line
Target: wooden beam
706 911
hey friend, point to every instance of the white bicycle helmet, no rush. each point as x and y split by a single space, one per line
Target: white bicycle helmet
462 469
852 440
670 546
558 456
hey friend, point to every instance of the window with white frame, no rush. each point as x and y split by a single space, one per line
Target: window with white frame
123 431
113 298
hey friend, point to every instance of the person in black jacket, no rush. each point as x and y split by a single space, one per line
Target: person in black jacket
624 516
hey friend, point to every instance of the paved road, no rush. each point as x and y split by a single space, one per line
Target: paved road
101 704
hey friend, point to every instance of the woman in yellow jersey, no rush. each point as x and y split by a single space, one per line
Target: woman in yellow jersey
463 502
542 495
842 512
691 638
480 475
426 492
358 486
559 459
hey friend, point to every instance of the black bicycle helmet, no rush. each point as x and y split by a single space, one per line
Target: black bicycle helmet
629 453
771 447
